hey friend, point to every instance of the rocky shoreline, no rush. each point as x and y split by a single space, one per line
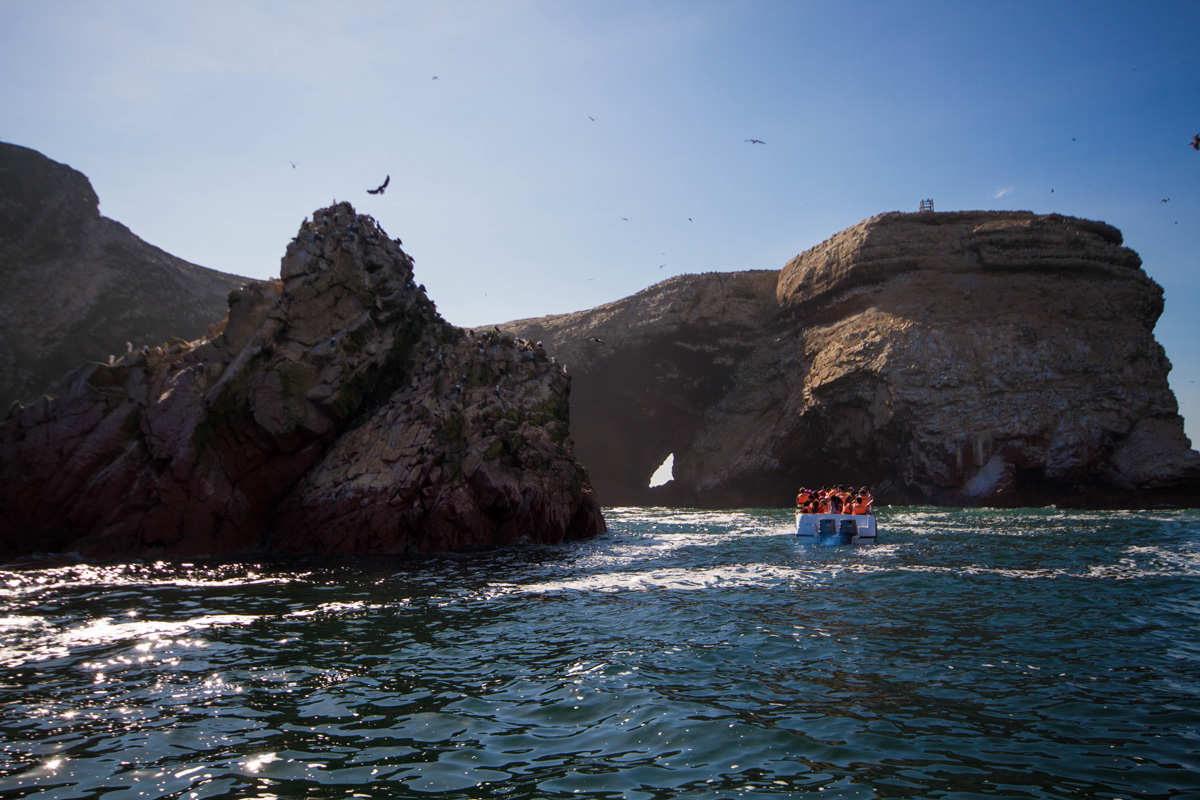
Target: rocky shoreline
966 358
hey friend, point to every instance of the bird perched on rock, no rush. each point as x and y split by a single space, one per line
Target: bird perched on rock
382 186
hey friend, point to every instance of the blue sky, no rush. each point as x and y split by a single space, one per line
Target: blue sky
187 116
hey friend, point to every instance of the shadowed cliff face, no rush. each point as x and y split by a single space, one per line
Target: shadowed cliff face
964 358
333 411
76 286
647 371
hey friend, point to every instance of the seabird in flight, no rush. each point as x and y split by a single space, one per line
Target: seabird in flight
756 141
1196 142
382 186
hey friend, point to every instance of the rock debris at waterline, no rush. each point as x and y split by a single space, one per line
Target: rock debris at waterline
332 411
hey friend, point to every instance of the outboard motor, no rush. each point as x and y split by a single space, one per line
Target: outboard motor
848 530
826 529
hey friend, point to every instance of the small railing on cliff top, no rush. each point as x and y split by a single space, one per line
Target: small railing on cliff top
927 205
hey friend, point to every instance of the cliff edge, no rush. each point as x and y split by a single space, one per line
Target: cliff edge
332 411
1000 358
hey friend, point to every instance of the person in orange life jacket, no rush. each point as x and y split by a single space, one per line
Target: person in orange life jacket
844 499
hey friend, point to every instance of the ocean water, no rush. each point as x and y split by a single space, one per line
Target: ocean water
685 654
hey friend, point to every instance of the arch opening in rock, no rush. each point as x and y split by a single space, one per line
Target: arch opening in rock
665 472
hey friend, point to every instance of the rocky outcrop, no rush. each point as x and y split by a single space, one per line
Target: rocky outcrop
76 286
332 411
1000 358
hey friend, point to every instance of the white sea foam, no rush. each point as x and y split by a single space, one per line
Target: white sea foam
732 576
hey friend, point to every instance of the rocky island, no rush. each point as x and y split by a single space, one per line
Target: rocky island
963 358
331 411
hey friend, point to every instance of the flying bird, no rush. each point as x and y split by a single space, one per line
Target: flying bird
593 119
382 186
1196 142
293 163
1166 200
756 141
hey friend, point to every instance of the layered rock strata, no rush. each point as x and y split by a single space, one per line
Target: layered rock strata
332 411
1001 358
76 286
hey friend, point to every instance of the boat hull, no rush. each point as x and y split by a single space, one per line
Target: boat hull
835 528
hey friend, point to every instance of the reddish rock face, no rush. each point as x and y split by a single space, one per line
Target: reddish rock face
1004 358
333 411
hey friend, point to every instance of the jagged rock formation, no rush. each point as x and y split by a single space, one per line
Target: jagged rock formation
333 411
76 286
1000 358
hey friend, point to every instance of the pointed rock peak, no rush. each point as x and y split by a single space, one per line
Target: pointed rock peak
342 265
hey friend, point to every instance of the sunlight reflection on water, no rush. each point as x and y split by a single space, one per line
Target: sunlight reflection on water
687 653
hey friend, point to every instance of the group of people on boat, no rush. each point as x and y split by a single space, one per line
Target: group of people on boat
836 500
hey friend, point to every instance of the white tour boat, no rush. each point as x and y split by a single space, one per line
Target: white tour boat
835 528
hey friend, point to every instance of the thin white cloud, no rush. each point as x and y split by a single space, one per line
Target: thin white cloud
1002 191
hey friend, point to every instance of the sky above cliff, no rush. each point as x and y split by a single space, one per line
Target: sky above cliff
548 157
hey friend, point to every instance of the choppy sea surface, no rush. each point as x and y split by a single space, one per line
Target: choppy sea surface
685 654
